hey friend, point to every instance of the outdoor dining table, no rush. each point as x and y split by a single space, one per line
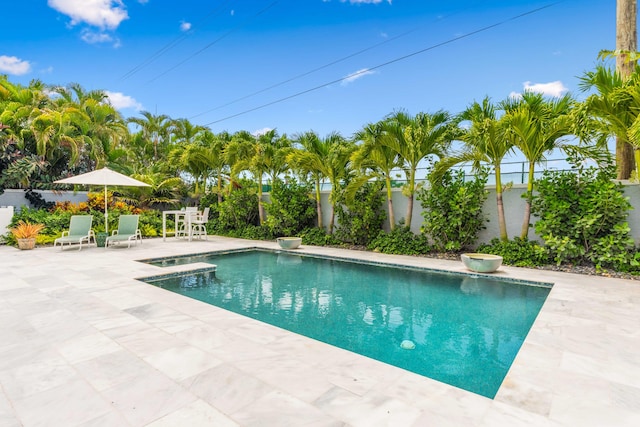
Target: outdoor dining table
178 214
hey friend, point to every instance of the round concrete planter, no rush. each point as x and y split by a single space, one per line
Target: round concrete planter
289 242
481 263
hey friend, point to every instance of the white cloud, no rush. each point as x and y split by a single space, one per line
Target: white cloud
120 101
551 89
515 95
104 14
13 65
93 37
185 26
355 76
261 131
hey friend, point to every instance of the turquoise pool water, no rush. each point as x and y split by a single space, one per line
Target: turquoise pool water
466 329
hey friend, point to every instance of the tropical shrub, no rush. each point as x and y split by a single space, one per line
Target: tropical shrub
582 218
401 241
517 252
360 220
238 209
452 210
291 209
317 237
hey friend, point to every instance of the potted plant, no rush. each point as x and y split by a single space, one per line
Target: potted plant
26 233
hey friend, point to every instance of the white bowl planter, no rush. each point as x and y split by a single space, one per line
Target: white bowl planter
289 242
481 263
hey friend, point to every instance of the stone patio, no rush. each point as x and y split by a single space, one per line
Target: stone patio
82 343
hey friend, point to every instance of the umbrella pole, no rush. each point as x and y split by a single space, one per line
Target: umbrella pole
106 213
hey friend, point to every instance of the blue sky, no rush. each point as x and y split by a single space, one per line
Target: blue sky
202 60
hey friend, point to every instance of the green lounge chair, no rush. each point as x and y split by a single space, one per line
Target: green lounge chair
127 231
79 232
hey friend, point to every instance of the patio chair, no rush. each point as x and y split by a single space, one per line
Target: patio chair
199 224
127 231
183 221
79 232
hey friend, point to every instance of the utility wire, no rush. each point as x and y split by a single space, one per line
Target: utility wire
367 70
344 58
171 44
198 52
322 67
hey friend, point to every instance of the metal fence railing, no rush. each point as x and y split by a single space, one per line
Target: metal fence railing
511 172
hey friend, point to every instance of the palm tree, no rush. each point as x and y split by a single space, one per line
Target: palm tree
278 150
485 143
626 43
193 159
256 155
102 127
237 154
375 160
163 190
155 128
616 107
536 126
57 139
217 145
269 157
414 139
185 131
321 158
19 105
337 170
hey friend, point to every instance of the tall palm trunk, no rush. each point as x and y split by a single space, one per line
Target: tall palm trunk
260 207
219 187
626 40
319 204
524 234
502 223
392 218
412 190
332 219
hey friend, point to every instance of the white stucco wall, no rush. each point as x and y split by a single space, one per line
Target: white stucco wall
6 213
513 207
16 198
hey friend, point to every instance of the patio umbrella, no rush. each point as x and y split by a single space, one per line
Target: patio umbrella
105 177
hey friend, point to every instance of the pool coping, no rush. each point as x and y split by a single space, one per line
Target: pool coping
525 282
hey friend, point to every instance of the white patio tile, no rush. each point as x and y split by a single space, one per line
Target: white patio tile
277 409
182 362
82 343
147 398
69 404
87 347
197 414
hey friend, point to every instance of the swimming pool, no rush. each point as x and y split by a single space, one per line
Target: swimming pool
460 329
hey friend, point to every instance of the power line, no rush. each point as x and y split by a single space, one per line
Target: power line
322 67
305 73
401 58
198 52
171 44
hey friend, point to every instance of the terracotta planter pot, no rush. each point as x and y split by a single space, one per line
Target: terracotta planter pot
26 244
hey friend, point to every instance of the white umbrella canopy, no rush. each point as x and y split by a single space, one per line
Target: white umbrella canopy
104 177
